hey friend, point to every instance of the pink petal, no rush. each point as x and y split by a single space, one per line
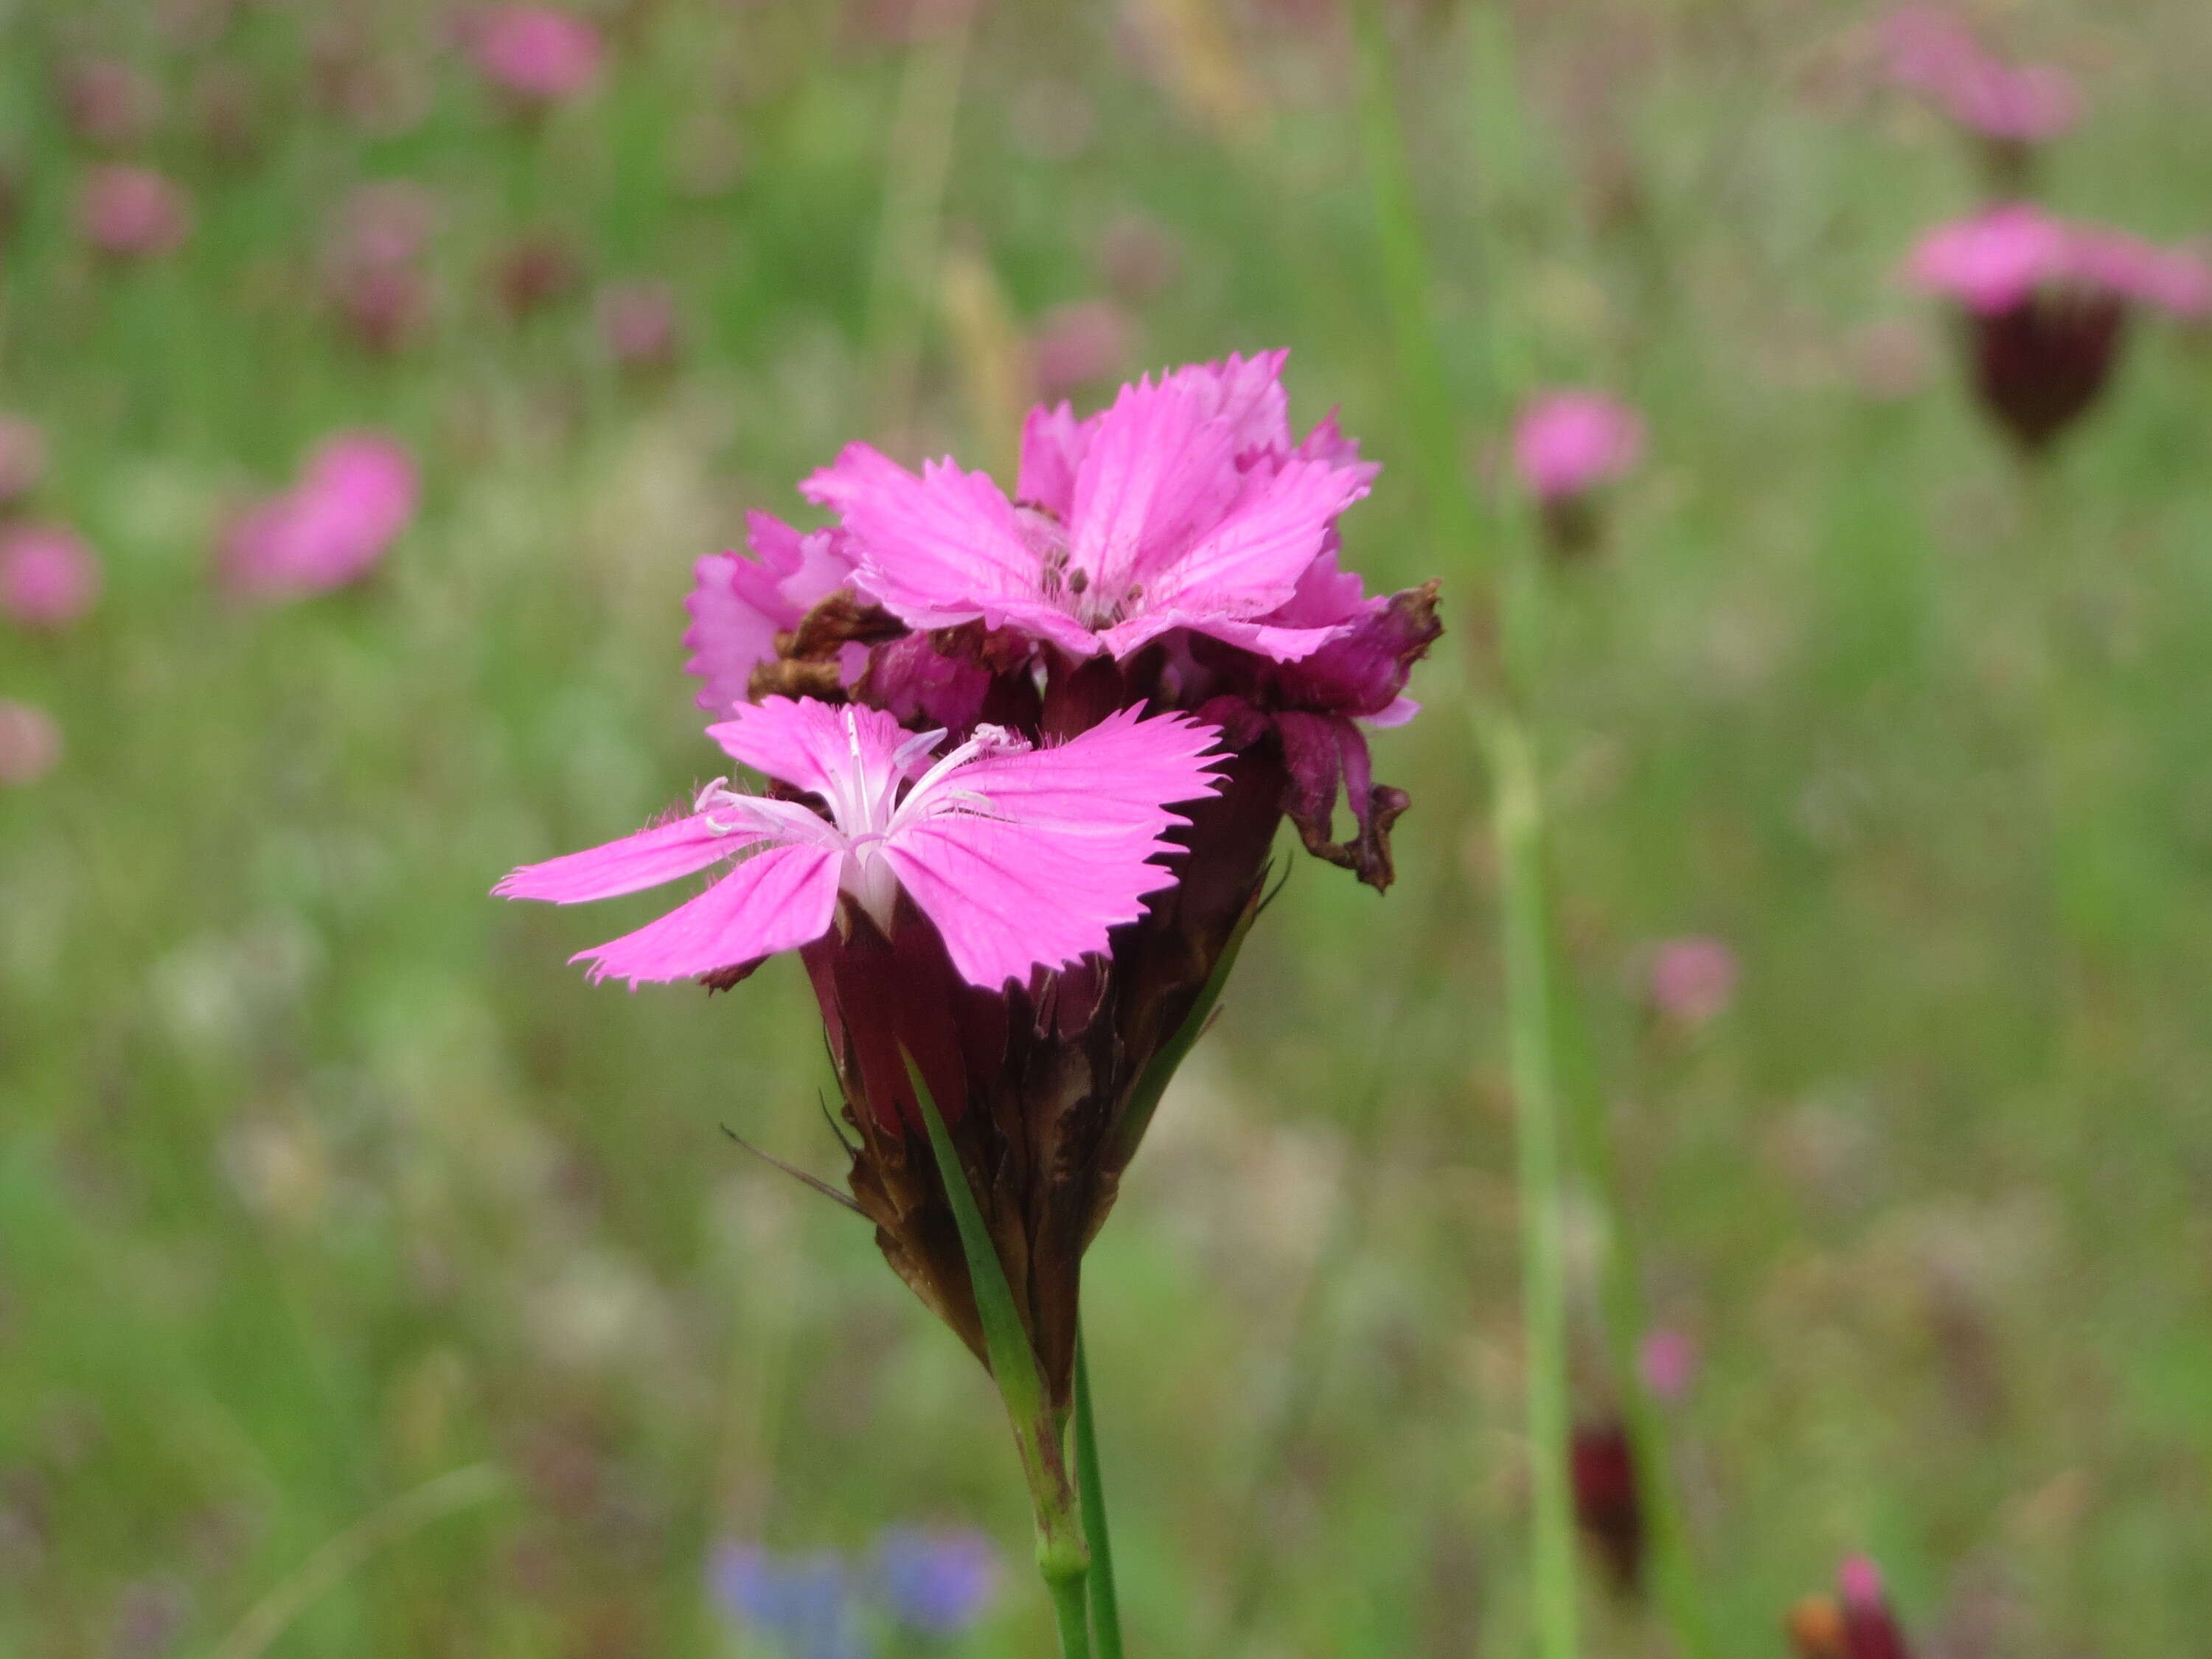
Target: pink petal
1160 467
807 743
628 865
1125 638
1061 847
778 900
739 606
1253 560
937 549
1248 393
1052 445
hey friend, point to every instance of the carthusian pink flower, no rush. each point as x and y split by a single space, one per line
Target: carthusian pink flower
1024 758
1077 344
1608 1502
372 264
2045 302
355 495
110 103
1935 53
1692 979
637 321
132 213
537 54
30 743
1871 1630
1021 857
22 458
1125 527
1565 445
48 576
1668 1360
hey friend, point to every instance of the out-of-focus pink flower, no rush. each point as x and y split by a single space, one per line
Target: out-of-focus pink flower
48 576
1668 1359
356 494
22 458
385 223
30 743
1020 856
1933 51
1568 442
2048 300
132 212
637 321
1138 256
1871 1630
1692 979
1077 344
109 103
537 55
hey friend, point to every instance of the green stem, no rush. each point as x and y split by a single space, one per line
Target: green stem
1528 988
1105 1607
1062 1560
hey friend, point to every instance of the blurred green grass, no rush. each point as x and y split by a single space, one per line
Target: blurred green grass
320 1174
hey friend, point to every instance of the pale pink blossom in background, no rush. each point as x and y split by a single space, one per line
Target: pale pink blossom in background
1934 52
355 495
1859 1580
1022 857
1567 442
48 576
536 54
385 223
110 103
1077 344
22 458
1692 980
1998 259
30 743
1139 256
1668 1360
637 321
370 267
132 212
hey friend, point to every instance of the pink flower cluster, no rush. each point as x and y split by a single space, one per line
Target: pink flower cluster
1023 756
1934 52
129 212
355 495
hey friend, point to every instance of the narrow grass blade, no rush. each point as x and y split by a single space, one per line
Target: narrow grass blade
1090 1485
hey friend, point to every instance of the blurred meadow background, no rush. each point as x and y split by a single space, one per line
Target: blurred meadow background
323 1182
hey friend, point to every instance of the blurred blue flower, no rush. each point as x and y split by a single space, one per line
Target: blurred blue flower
803 1603
938 1581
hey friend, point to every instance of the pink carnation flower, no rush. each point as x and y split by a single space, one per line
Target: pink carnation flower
1178 508
1692 979
30 743
356 494
132 213
1933 51
1568 442
110 103
1020 857
1077 344
22 458
537 55
637 321
1668 1360
1870 1629
48 576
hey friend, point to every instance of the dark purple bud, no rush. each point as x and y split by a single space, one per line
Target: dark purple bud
1608 1505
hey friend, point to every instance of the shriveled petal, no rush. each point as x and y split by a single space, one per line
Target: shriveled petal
1042 852
1324 754
631 864
1263 639
778 900
813 746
